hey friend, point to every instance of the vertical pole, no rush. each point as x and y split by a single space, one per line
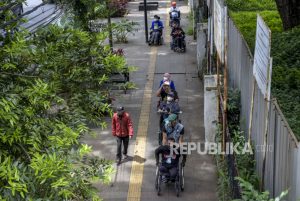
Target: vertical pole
266 123
225 79
208 41
146 20
251 110
110 37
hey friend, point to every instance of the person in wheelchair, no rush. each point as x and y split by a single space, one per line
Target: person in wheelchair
168 107
178 37
163 91
172 128
169 161
156 26
167 77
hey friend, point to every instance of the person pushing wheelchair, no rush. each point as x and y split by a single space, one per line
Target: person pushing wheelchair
170 161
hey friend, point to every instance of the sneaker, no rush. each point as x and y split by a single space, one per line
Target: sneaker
118 161
125 156
164 179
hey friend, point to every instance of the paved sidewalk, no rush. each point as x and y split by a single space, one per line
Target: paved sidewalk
200 171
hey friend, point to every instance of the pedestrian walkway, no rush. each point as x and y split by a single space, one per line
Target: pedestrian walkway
134 178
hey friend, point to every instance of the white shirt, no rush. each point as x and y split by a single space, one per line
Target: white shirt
174 9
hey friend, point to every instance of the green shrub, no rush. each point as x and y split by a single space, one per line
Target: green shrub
249 193
246 23
286 75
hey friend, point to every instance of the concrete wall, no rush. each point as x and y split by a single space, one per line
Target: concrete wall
210 107
201 47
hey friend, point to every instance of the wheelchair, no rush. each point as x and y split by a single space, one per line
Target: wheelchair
163 115
175 44
156 37
178 183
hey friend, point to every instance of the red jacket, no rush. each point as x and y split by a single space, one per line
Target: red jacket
122 127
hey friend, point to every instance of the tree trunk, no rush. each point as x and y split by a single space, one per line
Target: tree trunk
289 11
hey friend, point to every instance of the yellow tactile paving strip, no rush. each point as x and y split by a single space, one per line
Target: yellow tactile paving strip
137 170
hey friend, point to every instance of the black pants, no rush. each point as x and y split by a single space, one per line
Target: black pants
125 141
169 171
178 42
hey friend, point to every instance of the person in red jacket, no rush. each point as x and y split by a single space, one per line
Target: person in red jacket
122 129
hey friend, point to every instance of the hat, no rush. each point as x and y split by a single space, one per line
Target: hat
166 83
167 75
120 108
172 117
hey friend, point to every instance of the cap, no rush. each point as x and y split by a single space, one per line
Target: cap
167 75
172 117
167 83
120 108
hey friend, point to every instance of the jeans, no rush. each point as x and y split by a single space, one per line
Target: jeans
125 141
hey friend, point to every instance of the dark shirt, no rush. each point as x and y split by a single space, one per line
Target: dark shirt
168 160
172 107
163 94
177 32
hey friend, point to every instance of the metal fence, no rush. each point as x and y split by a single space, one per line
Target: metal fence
282 151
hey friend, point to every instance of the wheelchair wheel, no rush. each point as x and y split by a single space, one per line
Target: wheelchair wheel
159 137
181 178
161 41
177 187
157 181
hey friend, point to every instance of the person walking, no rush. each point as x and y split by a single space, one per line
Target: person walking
122 129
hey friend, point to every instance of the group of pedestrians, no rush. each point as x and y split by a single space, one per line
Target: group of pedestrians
177 33
172 130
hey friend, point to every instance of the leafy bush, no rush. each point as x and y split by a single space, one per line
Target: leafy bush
246 23
250 194
286 75
118 8
50 89
122 29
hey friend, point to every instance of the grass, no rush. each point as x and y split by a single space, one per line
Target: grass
251 5
246 23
